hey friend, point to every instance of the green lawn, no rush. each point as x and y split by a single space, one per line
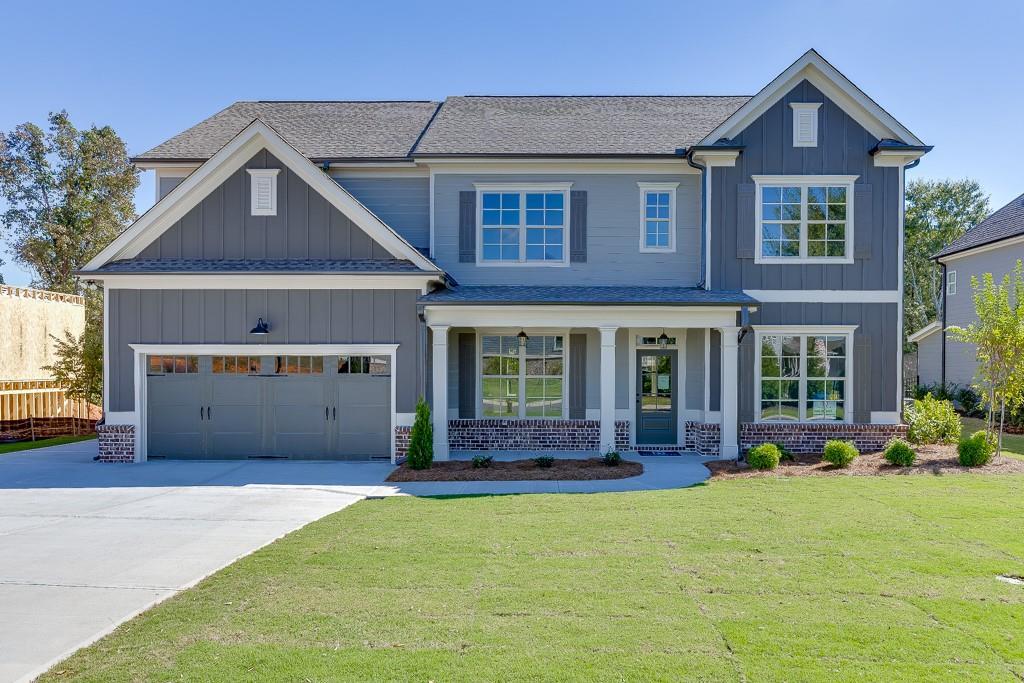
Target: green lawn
41 443
832 579
1013 444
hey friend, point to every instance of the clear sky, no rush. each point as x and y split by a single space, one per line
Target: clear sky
952 72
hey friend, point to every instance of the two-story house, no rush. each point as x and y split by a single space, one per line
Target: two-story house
671 273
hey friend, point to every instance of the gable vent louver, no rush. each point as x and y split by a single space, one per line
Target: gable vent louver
264 191
805 123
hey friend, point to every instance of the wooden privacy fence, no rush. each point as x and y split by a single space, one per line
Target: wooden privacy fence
34 408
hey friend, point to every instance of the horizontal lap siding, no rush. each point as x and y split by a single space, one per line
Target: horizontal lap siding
295 317
402 203
613 233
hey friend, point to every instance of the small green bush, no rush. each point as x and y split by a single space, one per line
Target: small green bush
970 402
544 461
764 457
840 453
784 453
976 450
899 452
482 461
421 441
933 421
612 458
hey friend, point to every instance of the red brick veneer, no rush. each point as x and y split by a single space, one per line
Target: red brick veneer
811 438
116 443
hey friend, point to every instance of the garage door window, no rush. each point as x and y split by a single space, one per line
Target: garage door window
173 365
236 365
364 365
300 365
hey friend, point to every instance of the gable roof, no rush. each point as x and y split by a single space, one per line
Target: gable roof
232 156
572 125
1001 224
925 331
320 130
812 67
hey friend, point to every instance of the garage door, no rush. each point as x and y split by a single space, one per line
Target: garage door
300 407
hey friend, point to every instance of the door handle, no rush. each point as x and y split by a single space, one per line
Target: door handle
207 412
327 413
334 411
200 412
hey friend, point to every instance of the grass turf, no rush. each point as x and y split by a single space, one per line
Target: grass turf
42 443
1013 444
799 579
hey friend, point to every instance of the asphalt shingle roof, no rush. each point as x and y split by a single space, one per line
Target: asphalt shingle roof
1001 224
574 125
320 130
664 296
184 265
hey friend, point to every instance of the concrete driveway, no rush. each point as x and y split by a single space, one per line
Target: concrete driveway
85 546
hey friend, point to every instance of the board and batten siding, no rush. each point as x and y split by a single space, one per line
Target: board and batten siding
843 146
295 316
402 203
222 226
614 229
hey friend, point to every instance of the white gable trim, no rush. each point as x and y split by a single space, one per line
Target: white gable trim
834 85
232 156
925 331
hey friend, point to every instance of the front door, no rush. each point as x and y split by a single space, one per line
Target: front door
656 397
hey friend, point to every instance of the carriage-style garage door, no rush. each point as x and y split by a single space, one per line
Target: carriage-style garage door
302 407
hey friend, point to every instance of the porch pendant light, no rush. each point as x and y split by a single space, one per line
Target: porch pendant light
663 339
522 337
261 328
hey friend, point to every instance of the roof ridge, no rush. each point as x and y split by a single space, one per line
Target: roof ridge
336 102
648 96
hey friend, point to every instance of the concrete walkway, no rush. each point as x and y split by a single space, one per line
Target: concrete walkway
84 546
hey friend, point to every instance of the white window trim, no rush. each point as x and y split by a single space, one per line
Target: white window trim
671 188
803 107
951 283
834 330
270 173
804 181
507 331
522 187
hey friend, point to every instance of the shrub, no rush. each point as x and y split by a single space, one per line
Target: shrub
976 449
970 401
421 441
933 421
840 453
612 458
482 460
784 453
764 457
544 461
942 392
899 452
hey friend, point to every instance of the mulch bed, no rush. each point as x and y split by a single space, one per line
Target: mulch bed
519 470
930 460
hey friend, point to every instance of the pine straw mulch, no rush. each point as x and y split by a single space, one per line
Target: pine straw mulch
934 459
519 470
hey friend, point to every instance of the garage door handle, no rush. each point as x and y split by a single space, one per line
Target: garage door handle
207 412
334 411
327 413
200 412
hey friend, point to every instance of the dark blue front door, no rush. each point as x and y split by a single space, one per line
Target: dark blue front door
656 402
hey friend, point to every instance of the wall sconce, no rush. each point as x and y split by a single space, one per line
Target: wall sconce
261 328
522 337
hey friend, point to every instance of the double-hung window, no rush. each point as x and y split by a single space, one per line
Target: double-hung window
658 216
522 379
804 376
805 219
523 225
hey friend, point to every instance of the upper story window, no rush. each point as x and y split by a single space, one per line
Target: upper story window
805 219
951 283
263 191
805 123
520 225
659 216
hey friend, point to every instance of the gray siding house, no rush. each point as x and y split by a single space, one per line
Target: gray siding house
587 273
993 246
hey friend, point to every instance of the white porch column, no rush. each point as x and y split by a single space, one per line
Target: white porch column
607 388
730 390
440 390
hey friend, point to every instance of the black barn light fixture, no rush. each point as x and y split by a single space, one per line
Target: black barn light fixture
261 328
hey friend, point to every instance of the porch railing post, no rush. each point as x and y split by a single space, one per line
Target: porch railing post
607 388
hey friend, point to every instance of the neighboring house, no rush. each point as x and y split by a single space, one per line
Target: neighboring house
992 246
680 273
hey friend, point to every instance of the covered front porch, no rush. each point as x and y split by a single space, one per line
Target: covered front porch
650 371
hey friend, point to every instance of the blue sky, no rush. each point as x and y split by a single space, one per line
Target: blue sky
951 72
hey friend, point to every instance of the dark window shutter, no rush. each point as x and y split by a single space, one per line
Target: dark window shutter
862 220
577 376
467 375
862 372
467 226
745 228
578 227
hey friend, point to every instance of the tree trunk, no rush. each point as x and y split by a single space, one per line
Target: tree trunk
1002 419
